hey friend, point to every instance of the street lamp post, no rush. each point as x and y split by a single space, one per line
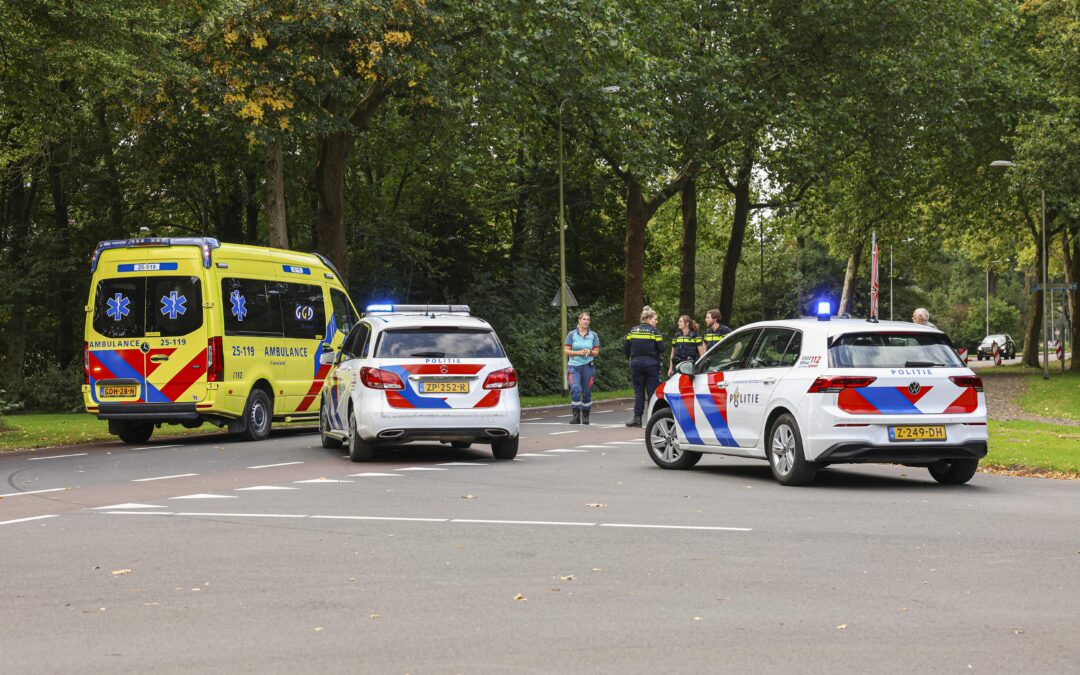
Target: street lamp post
1046 334
562 252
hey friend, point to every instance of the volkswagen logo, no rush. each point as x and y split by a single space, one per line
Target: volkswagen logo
444 370
914 388
144 347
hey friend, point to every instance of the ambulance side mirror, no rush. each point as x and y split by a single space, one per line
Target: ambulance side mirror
327 358
685 368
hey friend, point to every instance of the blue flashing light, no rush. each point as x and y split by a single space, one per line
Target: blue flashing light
824 310
380 308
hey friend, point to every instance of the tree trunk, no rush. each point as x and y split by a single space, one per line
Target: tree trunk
637 218
688 248
65 348
735 243
330 186
1035 317
849 276
274 197
1071 245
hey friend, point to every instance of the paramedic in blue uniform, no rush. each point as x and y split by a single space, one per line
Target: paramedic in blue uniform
644 345
714 330
686 345
581 345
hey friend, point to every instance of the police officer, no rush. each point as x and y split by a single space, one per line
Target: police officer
644 345
714 330
686 345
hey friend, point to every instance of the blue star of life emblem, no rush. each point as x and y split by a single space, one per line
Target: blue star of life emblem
118 307
173 305
239 305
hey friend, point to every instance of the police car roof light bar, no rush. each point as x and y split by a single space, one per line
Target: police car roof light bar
387 308
205 244
824 309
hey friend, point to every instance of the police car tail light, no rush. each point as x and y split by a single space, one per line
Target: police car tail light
86 362
215 360
831 385
501 379
968 381
377 378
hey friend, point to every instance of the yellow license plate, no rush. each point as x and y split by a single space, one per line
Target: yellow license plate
927 433
444 387
121 391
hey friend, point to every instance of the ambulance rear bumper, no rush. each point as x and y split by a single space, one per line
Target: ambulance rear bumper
149 412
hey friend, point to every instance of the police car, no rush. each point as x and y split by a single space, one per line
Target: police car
807 393
420 373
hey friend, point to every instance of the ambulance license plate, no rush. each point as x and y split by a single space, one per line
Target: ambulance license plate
119 391
444 387
924 433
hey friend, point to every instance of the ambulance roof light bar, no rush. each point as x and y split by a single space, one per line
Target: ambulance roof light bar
205 244
390 308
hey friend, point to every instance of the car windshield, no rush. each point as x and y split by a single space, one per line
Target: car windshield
440 343
892 350
994 338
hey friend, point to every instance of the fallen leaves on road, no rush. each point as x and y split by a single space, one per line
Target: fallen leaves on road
520 598
117 573
375 616
568 577
842 626
468 497
596 505
1030 472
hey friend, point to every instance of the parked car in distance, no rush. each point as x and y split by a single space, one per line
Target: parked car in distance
1004 342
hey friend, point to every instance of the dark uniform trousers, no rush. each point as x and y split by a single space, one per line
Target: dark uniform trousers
645 373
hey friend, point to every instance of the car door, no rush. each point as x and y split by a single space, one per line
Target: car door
768 363
699 402
343 378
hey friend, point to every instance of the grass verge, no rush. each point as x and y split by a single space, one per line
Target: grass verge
18 432
1057 397
1033 446
559 399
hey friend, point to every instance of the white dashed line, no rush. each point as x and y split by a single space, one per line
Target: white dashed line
267 487
206 496
78 454
157 447
679 527
179 475
566 450
532 419
520 522
34 492
463 464
601 447
24 520
532 454
267 466
246 515
559 433
564 415
372 474
416 520
421 468
556 424
322 480
139 513
127 506
642 442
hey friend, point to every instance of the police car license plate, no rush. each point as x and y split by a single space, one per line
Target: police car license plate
444 387
923 433
119 391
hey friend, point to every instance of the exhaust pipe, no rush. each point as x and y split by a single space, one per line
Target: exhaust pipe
392 433
496 433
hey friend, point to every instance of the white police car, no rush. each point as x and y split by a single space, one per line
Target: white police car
807 393
420 373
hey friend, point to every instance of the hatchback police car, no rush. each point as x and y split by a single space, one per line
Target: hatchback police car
808 393
420 373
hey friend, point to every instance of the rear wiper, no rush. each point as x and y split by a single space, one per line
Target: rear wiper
923 364
434 355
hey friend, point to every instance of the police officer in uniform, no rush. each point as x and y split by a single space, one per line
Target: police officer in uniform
714 330
644 345
686 345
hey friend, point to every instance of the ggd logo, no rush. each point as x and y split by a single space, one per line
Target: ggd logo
305 312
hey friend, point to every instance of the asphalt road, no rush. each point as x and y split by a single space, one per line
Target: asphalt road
280 556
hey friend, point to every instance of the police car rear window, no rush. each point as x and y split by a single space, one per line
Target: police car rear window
439 343
165 306
892 350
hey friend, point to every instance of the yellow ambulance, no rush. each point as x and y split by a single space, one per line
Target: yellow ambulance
191 330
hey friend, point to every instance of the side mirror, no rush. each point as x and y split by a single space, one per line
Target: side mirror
327 358
685 368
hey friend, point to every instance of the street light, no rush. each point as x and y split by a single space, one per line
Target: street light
562 238
1004 163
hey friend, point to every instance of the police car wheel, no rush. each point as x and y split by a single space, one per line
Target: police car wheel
785 451
134 432
258 415
359 449
328 442
504 448
953 471
662 440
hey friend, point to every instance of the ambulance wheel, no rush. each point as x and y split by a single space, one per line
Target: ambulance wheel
359 449
662 440
328 442
504 448
134 432
953 471
461 445
785 450
258 415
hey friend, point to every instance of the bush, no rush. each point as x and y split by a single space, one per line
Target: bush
53 389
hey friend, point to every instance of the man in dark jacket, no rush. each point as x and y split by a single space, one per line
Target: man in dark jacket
644 345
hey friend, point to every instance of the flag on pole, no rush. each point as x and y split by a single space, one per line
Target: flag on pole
874 277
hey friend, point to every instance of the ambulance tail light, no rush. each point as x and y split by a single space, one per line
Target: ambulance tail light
86 362
215 360
968 381
832 385
377 378
501 379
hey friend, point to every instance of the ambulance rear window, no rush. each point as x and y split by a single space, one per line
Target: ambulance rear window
892 350
166 306
439 343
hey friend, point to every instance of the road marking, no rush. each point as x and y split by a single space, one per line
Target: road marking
322 480
34 492
602 447
267 487
372 473
246 515
127 506
626 442
206 496
603 412
78 454
158 447
564 415
463 464
179 475
417 520
139 513
557 424
24 520
679 527
421 468
532 454
559 433
520 522
566 450
532 419
267 466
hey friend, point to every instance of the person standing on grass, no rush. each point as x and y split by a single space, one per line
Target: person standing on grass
582 346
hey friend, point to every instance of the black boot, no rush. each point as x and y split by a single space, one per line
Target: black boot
636 422
585 416
576 418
